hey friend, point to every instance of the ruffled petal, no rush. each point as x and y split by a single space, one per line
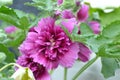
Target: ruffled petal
41 59
68 59
43 76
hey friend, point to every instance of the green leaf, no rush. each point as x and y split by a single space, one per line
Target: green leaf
8 15
10 56
107 18
78 38
75 30
8 11
17 41
112 30
85 30
109 65
24 23
66 31
9 19
96 42
108 52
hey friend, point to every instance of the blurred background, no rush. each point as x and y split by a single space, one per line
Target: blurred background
19 4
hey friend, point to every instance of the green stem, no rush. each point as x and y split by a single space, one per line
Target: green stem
4 67
65 73
51 72
84 68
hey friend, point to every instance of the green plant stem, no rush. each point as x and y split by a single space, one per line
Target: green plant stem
4 67
65 73
51 72
84 67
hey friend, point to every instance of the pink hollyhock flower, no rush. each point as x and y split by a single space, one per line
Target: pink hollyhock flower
84 53
50 46
82 14
10 29
59 2
95 26
67 14
40 73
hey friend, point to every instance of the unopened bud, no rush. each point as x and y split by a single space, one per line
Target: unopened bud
23 74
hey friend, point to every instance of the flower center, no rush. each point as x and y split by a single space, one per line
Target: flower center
52 42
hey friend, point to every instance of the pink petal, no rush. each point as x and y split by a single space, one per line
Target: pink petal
41 59
32 29
69 24
32 36
82 14
84 53
45 23
68 59
43 76
95 26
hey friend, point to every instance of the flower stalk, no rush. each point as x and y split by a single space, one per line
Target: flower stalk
65 73
10 64
85 67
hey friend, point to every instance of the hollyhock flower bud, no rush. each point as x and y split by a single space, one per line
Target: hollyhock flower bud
95 26
82 14
50 46
57 12
77 3
2 57
23 74
84 53
67 14
59 2
10 29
